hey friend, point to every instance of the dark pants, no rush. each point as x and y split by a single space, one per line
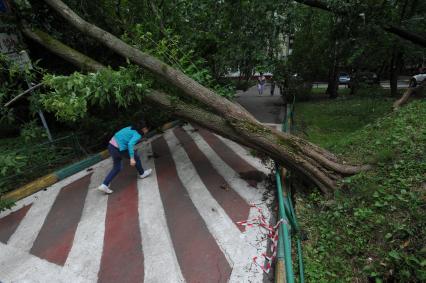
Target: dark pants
272 88
117 156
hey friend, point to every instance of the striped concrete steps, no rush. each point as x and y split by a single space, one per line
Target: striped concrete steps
178 225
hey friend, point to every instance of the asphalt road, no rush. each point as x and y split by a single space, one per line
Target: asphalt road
384 84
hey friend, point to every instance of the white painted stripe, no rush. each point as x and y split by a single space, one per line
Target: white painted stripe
18 266
86 252
245 271
249 194
160 261
222 228
246 155
30 226
34 197
40 194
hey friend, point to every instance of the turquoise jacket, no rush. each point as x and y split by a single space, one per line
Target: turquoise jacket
126 138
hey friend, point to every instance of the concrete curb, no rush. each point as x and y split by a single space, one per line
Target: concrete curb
69 170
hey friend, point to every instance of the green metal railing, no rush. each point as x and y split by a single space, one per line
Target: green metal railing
289 227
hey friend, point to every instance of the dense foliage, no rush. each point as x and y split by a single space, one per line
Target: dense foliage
72 95
13 81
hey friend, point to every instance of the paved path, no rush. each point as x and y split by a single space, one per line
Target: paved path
266 108
178 225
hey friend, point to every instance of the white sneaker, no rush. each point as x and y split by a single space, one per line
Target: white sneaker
104 188
146 173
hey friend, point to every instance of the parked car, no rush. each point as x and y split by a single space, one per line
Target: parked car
368 78
365 77
416 79
344 78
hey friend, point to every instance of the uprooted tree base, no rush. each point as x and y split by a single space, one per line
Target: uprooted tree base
222 117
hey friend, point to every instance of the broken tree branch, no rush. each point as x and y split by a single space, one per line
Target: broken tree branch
22 94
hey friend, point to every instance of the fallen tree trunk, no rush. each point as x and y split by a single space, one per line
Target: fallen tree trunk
67 53
317 164
76 58
197 115
408 93
187 111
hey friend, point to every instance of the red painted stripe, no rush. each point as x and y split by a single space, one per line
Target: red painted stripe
246 171
199 256
55 238
9 223
122 257
234 205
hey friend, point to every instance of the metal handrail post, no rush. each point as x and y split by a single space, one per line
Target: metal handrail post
285 231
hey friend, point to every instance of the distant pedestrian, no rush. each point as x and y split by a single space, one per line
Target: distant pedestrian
261 81
122 145
272 87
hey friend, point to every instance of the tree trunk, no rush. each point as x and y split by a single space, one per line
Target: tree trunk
408 93
354 83
317 164
76 58
333 83
333 72
394 71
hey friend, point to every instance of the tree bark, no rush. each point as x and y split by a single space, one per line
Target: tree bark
317 164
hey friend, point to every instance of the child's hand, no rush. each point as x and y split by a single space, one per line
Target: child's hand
132 162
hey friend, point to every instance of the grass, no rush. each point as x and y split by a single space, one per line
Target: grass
10 143
373 228
326 121
321 90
